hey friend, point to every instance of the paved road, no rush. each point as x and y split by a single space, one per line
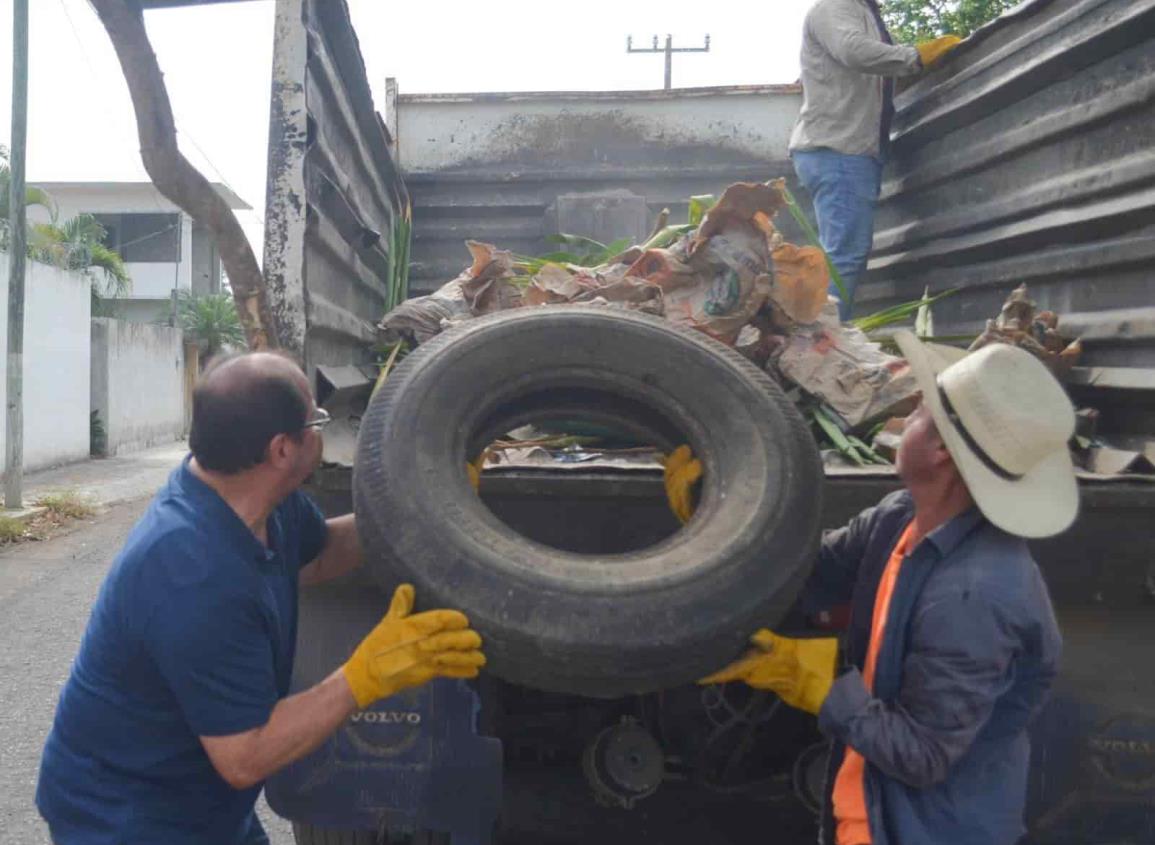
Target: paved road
46 591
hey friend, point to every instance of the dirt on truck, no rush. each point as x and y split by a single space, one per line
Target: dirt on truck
1025 161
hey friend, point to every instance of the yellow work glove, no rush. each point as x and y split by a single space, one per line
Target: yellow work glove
682 472
799 671
473 470
407 651
931 52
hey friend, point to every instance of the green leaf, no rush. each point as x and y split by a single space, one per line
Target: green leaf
618 247
578 242
400 236
32 194
924 319
900 313
589 253
911 21
835 435
849 445
699 205
117 281
668 235
211 321
868 454
78 244
560 258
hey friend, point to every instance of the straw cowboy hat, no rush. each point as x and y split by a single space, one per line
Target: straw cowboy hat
1006 423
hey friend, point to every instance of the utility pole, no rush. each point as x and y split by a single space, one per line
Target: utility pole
17 229
669 50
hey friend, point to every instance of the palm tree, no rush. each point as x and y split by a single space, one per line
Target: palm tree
212 322
75 244
78 244
32 195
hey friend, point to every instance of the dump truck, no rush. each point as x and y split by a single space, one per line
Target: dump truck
1026 157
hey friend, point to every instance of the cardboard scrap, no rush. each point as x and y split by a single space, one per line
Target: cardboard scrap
801 280
841 366
1018 324
488 286
753 203
421 319
552 286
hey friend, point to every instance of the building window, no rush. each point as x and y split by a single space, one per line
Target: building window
145 238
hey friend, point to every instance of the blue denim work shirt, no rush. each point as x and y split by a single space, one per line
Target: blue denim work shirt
970 652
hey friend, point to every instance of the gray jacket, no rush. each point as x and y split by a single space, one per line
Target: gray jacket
844 60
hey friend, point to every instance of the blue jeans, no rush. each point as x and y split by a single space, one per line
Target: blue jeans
845 190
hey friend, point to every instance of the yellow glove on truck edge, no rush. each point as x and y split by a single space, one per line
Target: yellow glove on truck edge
406 651
682 472
931 52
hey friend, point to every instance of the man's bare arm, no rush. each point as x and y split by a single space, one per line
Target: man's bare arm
341 555
297 725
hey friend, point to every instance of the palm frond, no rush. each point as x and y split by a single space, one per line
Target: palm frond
900 313
117 281
32 194
212 322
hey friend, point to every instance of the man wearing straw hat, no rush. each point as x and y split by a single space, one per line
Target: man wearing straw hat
952 643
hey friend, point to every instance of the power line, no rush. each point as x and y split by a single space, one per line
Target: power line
134 241
76 35
180 129
92 81
220 175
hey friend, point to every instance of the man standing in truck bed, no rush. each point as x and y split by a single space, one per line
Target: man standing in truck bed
840 141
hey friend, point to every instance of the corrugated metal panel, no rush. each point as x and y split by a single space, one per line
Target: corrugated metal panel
663 146
334 193
1030 157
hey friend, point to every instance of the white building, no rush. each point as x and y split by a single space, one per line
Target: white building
163 249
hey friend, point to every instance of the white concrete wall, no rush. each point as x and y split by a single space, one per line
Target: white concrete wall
137 310
438 131
137 384
155 279
57 310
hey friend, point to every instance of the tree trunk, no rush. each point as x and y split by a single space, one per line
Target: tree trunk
175 177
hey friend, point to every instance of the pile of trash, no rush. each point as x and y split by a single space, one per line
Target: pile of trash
731 276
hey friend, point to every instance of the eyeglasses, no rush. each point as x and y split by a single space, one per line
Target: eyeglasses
319 420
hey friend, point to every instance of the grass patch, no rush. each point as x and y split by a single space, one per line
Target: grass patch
11 530
67 505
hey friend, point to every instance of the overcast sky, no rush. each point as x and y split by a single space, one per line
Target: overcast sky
217 59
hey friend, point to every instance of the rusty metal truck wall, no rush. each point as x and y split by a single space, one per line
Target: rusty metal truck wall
333 190
488 166
1030 157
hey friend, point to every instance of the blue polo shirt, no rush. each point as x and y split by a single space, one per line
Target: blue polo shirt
192 635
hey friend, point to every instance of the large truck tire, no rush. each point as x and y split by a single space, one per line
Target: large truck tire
599 626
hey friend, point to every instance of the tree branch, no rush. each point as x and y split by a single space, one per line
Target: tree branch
174 176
